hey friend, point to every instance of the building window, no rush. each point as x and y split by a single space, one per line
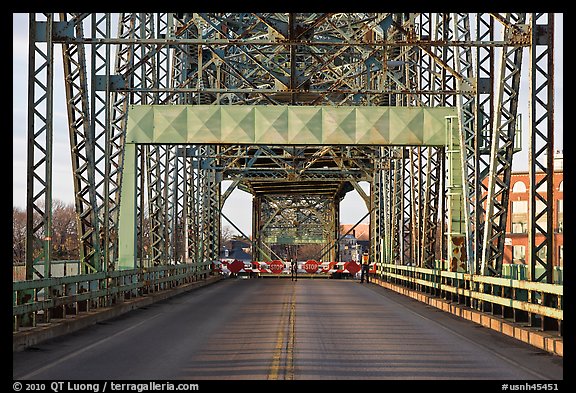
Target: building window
561 186
519 207
519 186
519 216
519 254
519 227
561 255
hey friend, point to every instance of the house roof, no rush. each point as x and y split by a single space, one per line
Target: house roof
236 253
362 231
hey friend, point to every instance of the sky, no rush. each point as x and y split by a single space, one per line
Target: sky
238 207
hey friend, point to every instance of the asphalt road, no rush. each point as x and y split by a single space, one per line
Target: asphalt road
280 329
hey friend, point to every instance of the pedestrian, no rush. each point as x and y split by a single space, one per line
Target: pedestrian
365 270
294 269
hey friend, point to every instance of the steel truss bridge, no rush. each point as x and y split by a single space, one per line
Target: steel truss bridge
297 109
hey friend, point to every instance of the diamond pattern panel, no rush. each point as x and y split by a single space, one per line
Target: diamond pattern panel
339 126
278 125
373 126
203 124
237 124
140 119
170 123
271 122
406 126
305 125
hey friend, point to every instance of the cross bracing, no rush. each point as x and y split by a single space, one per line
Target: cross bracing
115 62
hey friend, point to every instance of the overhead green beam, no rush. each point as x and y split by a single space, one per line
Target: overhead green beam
287 125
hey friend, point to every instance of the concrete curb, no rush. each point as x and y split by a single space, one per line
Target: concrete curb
527 334
32 336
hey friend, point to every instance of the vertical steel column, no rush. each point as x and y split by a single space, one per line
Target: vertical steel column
424 153
377 208
40 139
437 73
81 143
448 82
336 227
257 253
174 179
541 159
145 75
179 206
267 214
177 67
541 149
191 206
413 76
439 82
145 70
142 213
128 220
170 193
119 100
39 158
415 202
387 235
100 129
164 30
154 165
200 173
183 211
466 104
426 77
411 58
484 117
210 189
397 212
406 208
456 228
429 80
448 58
215 218
432 197
504 129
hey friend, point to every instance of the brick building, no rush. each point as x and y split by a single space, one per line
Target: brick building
517 249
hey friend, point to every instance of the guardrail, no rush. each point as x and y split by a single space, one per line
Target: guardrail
534 303
39 301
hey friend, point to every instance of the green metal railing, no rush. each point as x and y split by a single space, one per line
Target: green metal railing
536 304
40 301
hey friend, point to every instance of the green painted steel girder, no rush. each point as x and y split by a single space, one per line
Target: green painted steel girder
287 125
273 125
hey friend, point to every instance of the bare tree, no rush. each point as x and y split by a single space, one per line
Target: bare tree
227 234
18 236
64 232
65 244
309 251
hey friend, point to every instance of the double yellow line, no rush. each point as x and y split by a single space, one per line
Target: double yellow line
285 341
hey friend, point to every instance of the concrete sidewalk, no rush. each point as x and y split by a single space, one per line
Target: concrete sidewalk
530 335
